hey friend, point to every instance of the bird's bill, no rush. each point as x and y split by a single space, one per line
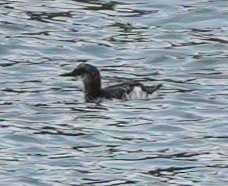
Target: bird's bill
67 74
70 74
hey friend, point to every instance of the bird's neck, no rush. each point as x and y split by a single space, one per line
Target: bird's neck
92 87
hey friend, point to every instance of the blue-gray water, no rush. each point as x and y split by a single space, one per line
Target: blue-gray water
49 136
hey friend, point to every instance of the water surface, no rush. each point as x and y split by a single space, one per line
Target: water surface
49 136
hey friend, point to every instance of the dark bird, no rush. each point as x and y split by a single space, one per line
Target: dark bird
93 91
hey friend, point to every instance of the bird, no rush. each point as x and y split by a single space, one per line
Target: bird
93 91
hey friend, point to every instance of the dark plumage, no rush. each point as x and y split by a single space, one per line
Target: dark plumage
95 93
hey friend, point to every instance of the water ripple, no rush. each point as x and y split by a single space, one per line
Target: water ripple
51 137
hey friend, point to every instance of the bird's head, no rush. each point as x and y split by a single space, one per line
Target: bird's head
89 75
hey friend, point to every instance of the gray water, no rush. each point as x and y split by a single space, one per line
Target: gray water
49 136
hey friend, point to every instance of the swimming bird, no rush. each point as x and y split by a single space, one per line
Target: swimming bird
93 92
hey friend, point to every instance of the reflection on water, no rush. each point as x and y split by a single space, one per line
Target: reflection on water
51 137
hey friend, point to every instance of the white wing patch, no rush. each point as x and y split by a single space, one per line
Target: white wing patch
138 93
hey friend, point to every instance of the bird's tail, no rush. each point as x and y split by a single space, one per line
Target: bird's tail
151 89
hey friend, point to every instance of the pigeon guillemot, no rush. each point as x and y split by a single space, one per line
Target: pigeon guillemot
94 93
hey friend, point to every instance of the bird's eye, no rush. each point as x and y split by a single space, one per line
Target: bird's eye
82 71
